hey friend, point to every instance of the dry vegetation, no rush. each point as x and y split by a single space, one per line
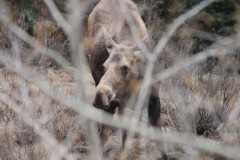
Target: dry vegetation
46 90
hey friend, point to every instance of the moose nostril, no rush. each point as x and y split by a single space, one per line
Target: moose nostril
98 100
124 69
109 98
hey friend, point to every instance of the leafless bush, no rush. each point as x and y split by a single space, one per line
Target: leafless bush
46 112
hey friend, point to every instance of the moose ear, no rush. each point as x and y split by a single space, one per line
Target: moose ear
138 56
109 42
149 42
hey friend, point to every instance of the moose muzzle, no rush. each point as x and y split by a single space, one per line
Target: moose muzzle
103 97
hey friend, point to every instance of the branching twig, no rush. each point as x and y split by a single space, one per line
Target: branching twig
160 46
222 47
87 111
57 16
46 136
79 104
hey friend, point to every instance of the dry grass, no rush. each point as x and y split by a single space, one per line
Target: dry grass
183 109
199 102
52 116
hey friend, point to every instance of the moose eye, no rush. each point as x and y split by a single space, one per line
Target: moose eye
124 69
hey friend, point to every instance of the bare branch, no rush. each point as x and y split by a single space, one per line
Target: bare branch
20 33
178 22
222 47
45 135
58 17
154 133
73 27
160 46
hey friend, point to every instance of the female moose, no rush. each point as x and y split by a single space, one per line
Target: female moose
115 62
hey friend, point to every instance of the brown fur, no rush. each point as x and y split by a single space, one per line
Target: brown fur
108 14
112 50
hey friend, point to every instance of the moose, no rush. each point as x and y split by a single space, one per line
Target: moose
116 62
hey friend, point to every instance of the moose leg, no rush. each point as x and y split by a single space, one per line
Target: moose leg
106 130
124 132
124 137
154 109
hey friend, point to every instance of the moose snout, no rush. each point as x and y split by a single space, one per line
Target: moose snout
103 97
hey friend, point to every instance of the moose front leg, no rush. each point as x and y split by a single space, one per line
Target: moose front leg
124 131
154 110
106 130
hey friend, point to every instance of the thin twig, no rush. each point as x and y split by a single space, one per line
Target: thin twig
222 47
159 48
45 135
57 16
87 111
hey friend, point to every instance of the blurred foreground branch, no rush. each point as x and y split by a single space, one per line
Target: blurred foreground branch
89 112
